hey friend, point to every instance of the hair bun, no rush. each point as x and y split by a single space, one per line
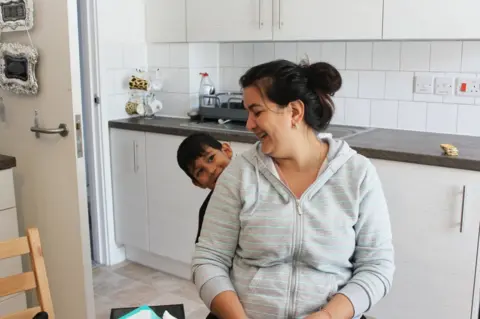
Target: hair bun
324 77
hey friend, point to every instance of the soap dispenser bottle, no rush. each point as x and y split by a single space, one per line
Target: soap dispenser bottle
206 90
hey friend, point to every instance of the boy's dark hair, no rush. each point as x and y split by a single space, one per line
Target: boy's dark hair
193 147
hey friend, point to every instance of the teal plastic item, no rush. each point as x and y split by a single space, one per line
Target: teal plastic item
137 311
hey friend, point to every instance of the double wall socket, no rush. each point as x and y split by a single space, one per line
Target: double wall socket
468 87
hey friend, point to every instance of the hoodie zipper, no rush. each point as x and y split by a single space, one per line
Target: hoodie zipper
296 249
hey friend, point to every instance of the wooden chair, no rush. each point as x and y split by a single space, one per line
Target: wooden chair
36 279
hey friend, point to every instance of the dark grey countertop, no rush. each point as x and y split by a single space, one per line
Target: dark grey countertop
393 145
7 162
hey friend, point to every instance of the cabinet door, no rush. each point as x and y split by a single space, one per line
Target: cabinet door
431 19
435 261
229 20
129 187
327 19
165 21
173 201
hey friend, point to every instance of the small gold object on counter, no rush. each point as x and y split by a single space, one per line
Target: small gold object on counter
449 150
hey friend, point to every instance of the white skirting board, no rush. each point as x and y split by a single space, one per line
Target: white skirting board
160 263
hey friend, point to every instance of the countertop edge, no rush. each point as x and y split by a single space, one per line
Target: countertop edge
372 153
7 162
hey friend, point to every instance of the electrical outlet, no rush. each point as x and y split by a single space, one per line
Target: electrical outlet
444 85
468 87
424 84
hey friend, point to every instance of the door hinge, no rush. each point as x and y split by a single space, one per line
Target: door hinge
96 99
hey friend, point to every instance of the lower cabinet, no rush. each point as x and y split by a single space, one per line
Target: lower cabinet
129 184
173 200
435 216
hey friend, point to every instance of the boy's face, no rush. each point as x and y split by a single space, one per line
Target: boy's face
207 168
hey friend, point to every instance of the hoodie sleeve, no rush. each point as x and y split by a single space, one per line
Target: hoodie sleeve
218 239
374 256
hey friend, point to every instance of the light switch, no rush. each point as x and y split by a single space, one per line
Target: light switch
444 85
424 84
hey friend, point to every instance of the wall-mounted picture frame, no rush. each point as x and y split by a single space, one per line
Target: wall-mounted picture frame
16 15
18 65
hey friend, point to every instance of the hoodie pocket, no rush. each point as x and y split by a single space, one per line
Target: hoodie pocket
256 279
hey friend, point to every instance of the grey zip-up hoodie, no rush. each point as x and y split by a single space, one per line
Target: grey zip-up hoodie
285 257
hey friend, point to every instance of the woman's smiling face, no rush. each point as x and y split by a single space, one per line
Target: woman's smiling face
272 125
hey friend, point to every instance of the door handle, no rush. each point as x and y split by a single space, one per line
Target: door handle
62 130
135 164
462 214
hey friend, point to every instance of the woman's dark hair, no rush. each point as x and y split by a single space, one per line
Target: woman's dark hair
283 82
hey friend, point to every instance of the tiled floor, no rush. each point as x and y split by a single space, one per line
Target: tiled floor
130 284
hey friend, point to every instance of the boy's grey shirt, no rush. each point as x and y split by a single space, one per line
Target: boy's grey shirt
286 257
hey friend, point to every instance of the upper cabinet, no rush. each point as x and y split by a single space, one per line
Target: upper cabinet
431 19
229 20
165 21
327 19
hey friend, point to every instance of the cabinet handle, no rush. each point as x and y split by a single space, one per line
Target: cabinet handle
135 166
280 23
463 208
260 23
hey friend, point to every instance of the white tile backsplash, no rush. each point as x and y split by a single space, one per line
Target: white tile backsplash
378 77
386 56
399 86
203 55
349 84
310 50
471 56
372 84
263 52
359 55
446 56
357 112
384 114
226 55
179 55
158 55
242 55
468 121
334 53
339 115
415 56
412 116
286 50
441 118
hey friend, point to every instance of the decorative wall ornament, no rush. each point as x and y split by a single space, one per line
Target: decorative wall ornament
16 15
18 64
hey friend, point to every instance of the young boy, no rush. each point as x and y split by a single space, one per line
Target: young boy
203 159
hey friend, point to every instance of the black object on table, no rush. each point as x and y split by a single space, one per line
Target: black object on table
175 310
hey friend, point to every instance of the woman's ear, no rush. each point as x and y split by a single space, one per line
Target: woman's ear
227 150
298 112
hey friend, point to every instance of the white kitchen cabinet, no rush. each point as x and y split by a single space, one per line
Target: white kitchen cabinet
436 262
129 183
165 21
431 19
327 19
229 20
173 200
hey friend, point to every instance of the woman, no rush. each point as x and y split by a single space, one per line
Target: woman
298 226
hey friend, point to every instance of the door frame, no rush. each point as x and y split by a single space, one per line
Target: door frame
92 121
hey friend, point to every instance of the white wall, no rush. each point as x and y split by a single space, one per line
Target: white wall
378 78
122 49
